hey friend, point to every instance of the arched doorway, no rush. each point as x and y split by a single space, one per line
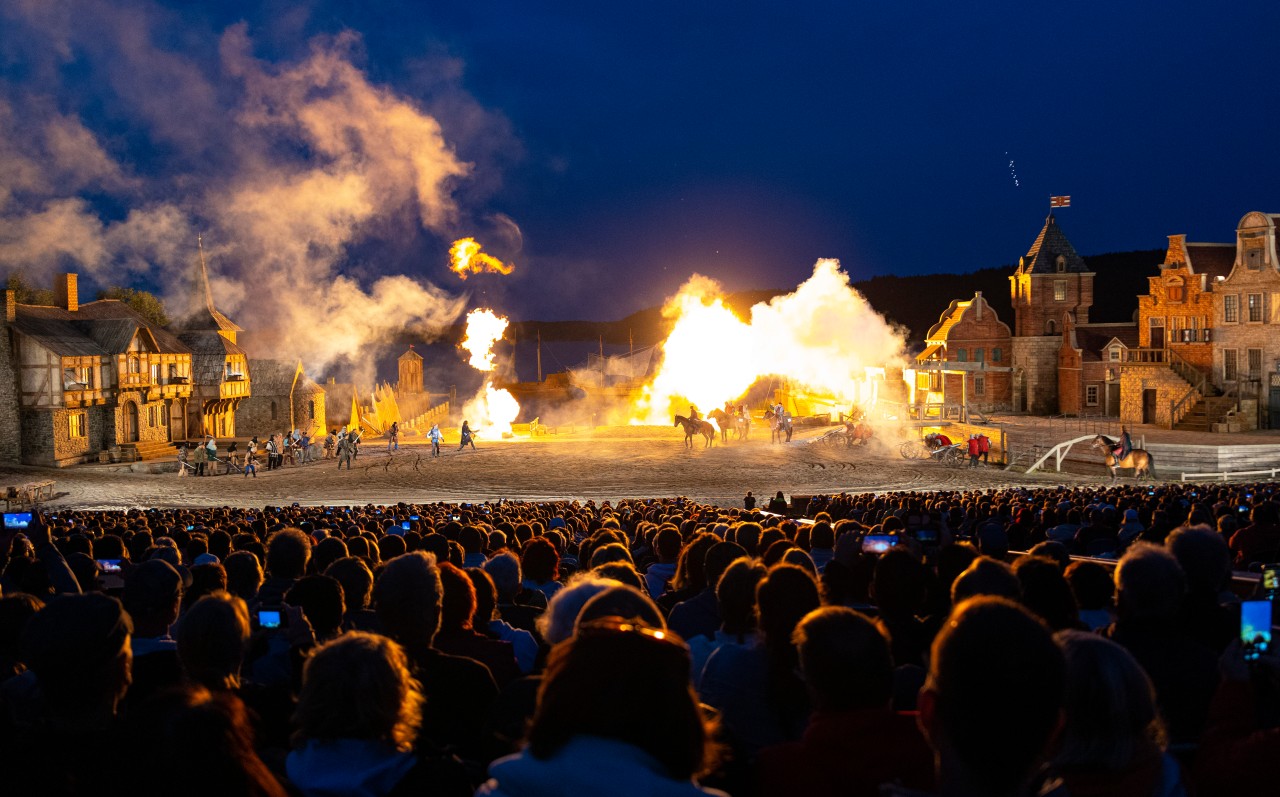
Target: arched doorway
130 422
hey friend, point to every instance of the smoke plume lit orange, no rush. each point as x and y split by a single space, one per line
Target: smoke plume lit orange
465 259
823 337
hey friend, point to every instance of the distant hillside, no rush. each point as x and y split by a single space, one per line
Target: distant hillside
915 302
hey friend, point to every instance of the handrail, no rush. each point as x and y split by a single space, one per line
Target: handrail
1060 452
1183 368
1176 410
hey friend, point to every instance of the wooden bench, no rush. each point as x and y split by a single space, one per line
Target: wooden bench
29 494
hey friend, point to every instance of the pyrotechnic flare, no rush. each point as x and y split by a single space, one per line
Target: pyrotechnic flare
823 337
484 328
465 259
492 409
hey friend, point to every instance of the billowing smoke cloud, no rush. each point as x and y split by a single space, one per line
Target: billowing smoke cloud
823 337
287 169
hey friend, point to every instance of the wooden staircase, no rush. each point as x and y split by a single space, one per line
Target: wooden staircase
142 450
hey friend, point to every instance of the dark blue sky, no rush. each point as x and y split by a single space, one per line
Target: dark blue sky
636 143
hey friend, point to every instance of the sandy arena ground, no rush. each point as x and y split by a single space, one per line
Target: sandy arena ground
609 463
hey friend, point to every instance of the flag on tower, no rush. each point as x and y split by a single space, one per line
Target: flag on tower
1059 201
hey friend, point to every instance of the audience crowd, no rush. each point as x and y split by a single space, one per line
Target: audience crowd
1005 642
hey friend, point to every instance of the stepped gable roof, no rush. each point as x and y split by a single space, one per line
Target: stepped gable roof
1050 244
1213 260
1091 339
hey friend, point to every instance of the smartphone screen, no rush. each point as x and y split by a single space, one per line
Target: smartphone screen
269 618
17 520
878 543
927 535
405 525
1255 628
109 565
1271 582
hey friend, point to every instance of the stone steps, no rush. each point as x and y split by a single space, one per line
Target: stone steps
156 449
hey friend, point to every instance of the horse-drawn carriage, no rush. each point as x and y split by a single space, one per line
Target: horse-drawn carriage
937 447
847 435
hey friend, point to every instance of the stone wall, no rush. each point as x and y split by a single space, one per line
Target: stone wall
254 415
309 409
46 436
1169 388
10 442
1037 360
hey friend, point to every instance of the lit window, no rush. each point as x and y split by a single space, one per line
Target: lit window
1255 307
76 425
1059 290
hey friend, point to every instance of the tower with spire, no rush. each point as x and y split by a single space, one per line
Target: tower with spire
220 368
1051 281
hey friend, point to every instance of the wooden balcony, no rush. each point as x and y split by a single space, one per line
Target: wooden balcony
83 397
139 381
1146 357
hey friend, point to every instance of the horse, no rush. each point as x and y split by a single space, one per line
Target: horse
1140 460
739 423
860 432
693 427
781 426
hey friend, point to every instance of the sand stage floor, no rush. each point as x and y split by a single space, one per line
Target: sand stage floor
607 463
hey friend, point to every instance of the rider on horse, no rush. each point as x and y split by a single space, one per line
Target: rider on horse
1123 446
693 413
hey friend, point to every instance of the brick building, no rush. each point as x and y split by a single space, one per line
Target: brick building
1165 379
1051 280
1246 333
966 359
1089 366
85 378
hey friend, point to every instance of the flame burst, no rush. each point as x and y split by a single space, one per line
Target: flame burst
823 337
465 259
492 409
484 328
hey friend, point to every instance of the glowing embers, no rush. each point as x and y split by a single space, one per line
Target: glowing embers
465 259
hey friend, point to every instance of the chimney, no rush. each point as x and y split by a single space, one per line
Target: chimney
978 300
10 306
65 293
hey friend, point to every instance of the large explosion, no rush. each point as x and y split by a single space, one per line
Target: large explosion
824 337
492 409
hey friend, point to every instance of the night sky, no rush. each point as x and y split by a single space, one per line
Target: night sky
634 144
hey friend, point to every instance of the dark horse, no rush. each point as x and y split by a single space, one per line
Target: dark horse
740 424
1138 459
692 427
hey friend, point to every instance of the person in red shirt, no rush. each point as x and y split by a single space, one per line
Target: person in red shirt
975 450
854 741
984 447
